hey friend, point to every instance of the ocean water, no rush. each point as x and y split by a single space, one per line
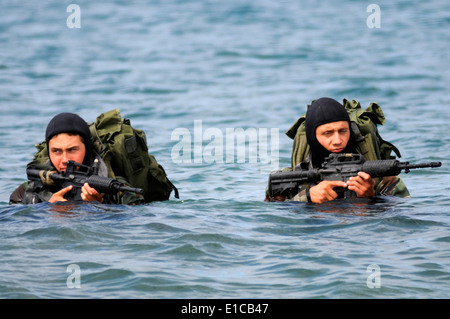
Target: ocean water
187 72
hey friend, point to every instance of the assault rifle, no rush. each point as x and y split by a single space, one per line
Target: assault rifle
77 174
338 167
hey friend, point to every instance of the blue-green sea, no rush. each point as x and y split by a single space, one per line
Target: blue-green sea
188 73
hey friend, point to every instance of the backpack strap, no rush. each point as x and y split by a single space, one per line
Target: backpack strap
300 147
364 127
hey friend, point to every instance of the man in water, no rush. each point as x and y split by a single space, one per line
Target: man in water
327 126
68 138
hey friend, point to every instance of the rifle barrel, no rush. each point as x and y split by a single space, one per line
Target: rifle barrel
422 165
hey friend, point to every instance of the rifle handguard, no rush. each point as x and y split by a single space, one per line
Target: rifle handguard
106 184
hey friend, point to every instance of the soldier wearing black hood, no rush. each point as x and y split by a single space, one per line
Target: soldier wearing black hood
328 130
68 138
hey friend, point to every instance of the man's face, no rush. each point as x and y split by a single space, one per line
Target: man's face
64 147
333 136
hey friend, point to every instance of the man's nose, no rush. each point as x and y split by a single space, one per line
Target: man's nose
337 139
65 158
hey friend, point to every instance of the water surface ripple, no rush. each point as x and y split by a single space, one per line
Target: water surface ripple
228 64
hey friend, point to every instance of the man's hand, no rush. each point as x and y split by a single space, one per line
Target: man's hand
90 194
324 191
58 196
363 185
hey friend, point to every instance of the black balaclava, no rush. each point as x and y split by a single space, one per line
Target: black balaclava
322 111
71 123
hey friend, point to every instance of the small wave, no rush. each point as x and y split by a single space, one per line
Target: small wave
187 250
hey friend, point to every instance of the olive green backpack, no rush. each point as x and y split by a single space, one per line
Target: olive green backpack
124 150
364 126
